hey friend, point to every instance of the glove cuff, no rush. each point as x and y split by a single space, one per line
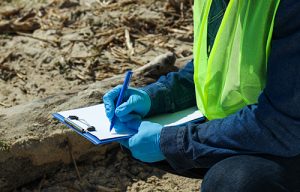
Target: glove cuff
159 98
147 102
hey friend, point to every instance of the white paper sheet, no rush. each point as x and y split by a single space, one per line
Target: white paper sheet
96 116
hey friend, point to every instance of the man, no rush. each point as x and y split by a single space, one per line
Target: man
254 149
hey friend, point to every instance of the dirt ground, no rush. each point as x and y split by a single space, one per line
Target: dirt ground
48 46
116 172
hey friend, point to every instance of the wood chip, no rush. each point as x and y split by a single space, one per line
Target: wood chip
3 104
20 76
128 43
136 62
37 38
106 189
3 60
119 4
81 77
109 32
176 30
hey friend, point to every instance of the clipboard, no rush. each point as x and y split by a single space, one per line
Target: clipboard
87 135
95 116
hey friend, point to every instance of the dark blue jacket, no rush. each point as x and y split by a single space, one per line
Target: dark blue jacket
272 126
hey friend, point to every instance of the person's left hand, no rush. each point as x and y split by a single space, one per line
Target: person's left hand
145 144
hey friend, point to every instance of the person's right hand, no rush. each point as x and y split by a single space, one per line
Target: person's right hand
136 104
145 144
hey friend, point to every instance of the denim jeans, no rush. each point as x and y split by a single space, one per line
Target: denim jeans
253 174
245 173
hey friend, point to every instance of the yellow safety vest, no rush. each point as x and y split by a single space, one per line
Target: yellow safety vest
234 73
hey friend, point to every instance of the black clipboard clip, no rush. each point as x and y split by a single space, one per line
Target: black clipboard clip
69 120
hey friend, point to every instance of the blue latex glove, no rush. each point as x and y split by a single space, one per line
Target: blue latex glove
145 144
136 104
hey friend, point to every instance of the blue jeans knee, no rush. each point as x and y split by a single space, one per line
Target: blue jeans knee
245 174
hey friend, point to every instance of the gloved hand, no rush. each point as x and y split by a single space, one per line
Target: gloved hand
145 144
136 104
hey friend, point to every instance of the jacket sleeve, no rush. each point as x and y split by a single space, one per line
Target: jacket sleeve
271 127
172 92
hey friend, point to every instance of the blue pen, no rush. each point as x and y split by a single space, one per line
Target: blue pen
121 95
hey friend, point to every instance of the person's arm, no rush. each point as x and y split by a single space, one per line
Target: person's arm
172 92
152 99
271 127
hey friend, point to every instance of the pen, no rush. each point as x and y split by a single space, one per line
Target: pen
121 95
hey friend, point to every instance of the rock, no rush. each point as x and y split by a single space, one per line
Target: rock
26 157
9 11
68 4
